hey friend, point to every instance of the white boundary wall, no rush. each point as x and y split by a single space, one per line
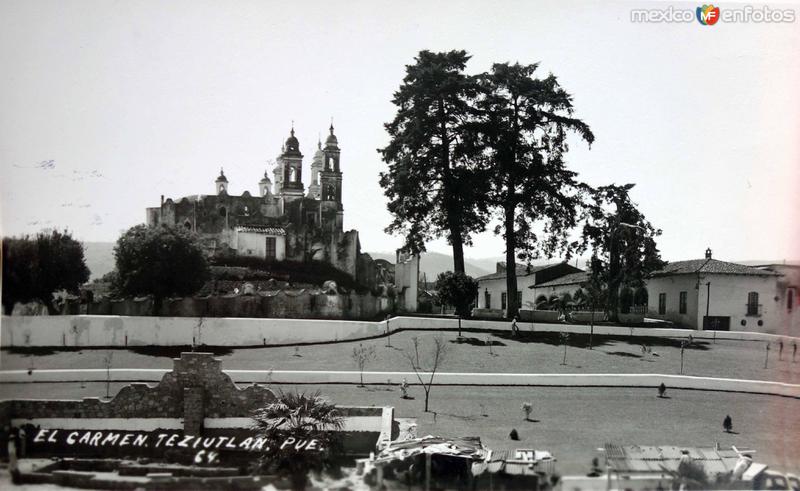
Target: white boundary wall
120 331
441 378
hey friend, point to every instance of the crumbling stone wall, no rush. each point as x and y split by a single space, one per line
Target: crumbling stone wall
195 389
282 304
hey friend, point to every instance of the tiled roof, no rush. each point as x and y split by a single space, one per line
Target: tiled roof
710 266
522 270
569 279
261 229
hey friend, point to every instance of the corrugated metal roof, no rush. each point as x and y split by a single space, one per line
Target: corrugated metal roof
641 459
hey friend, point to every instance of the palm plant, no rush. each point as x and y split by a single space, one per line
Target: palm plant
302 432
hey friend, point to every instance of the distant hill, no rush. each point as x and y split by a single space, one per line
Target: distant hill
100 260
433 263
99 257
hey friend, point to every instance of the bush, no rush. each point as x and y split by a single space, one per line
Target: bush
311 272
160 261
458 290
35 268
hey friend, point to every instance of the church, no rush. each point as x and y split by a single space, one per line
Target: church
284 221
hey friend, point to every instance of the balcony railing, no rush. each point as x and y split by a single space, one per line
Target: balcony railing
753 310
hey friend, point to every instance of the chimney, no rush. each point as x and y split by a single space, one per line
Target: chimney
708 253
501 267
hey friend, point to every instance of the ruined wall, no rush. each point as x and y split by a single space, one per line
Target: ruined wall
284 304
219 397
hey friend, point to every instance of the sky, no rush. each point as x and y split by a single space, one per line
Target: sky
108 105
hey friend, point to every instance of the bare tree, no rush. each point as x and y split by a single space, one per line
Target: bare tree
108 360
363 355
429 365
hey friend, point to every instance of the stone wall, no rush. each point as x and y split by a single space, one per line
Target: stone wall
306 303
212 393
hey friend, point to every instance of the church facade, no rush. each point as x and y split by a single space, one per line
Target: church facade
285 221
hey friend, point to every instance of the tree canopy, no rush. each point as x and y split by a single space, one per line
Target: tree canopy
160 261
622 242
458 290
35 268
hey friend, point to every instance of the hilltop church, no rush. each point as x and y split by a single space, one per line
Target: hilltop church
284 222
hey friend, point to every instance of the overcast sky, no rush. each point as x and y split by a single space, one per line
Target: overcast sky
104 106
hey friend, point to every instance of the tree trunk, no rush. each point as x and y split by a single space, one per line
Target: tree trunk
614 270
451 193
51 308
458 251
511 262
157 302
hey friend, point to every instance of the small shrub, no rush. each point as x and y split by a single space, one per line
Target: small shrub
527 407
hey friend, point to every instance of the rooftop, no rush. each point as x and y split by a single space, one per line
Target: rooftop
569 279
642 459
522 270
261 229
710 266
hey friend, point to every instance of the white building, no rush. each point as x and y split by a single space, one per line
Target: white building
492 293
261 241
717 295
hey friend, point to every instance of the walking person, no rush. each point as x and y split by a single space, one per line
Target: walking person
514 327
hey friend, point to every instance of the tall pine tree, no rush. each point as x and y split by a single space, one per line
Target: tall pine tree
522 128
432 182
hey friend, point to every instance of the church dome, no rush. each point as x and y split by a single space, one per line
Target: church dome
292 145
221 177
319 156
331 141
265 179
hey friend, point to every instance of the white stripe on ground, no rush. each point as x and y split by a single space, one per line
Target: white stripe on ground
441 378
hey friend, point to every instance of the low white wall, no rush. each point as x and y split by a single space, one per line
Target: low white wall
98 330
120 331
442 378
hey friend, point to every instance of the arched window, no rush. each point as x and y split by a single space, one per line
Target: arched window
789 299
187 224
222 211
752 303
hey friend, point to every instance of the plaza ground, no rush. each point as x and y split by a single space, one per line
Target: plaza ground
529 353
570 422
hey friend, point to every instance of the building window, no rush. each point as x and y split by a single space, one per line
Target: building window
503 300
752 304
789 299
519 299
662 303
488 297
222 211
682 303
270 248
